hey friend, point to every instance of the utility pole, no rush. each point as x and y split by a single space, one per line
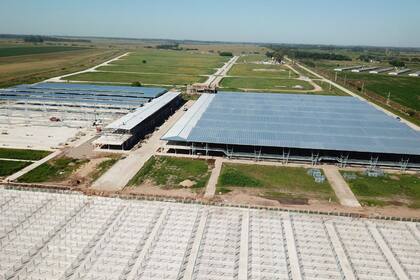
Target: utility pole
389 97
336 76
363 86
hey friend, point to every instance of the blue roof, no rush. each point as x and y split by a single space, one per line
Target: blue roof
294 121
151 92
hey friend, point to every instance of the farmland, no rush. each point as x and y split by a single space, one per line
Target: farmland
30 67
157 67
28 50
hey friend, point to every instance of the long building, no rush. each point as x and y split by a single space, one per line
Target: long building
294 127
125 132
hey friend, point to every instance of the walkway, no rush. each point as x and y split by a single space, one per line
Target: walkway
340 187
211 184
31 167
118 176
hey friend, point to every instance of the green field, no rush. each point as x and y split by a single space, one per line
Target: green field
403 90
264 84
102 168
151 79
157 67
54 170
168 172
263 71
9 167
391 189
28 50
273 182
22 154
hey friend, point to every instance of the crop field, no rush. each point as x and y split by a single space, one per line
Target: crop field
284 184
390 189
33 68
28 50
403 90
157 67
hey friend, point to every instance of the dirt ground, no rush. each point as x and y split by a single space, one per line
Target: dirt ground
247 197
148 188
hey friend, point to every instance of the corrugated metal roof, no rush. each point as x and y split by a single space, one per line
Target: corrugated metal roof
294 121
131 120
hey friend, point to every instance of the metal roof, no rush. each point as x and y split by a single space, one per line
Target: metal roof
133 119
294 121
144 91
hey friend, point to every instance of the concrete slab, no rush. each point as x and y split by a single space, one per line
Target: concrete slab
340 187
214 177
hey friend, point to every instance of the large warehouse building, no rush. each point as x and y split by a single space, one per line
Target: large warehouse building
291 127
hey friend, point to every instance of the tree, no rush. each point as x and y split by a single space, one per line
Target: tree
144 61
397 63
136 84
225 54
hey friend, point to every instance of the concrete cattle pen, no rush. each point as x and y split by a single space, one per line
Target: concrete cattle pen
72 236
292 127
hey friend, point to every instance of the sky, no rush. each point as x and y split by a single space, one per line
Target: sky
352 22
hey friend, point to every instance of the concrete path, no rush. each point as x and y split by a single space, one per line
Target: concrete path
340 187
92 69
25 170
216 78
412 125
118 176
13 159
211 184
243 251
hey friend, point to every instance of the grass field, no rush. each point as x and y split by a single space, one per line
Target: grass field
391 189
22 154
54 170
9 167
33 68
403 90
169 172
264 84
102 168
263 71
28 50
273 182
157 67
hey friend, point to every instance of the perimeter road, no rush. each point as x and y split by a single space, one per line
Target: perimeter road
118 176
340 187
216 78
412 125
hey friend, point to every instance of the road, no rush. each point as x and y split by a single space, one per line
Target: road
349 92
214 80
92 69
118 176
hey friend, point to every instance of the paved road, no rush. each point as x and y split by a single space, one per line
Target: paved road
216 78
340 187
117 177
413 126
92 69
